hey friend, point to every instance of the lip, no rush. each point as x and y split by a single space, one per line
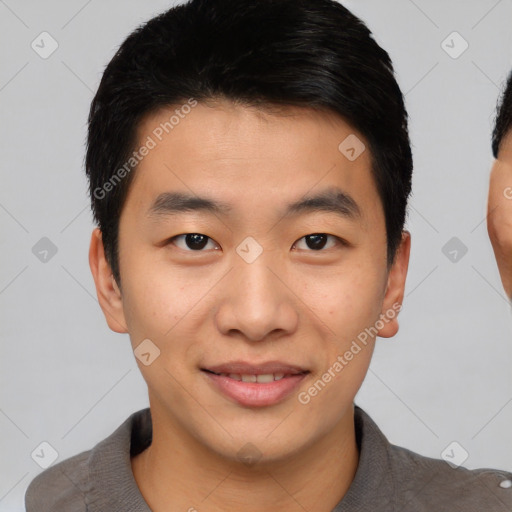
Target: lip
245 368
253 394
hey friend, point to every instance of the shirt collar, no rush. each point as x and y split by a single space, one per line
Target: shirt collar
373 487
112 485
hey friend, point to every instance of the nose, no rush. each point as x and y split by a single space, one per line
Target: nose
258 302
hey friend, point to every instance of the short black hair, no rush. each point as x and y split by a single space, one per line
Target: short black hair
310 53
503 123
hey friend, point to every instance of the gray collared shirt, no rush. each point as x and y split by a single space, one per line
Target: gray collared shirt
389 478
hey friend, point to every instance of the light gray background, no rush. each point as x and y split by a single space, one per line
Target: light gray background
68 380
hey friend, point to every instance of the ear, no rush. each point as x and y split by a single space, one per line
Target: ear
395 288
109 295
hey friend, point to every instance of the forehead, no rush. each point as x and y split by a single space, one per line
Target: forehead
252 158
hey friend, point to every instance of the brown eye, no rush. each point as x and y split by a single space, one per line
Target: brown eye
318 241
191 241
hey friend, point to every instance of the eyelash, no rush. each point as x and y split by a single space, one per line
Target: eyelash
339 240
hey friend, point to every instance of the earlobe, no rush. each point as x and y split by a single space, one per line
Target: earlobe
394 296
109 295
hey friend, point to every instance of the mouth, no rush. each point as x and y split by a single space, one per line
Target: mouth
260 378
255 385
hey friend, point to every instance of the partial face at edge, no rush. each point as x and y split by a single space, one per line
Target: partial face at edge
213 299
499 212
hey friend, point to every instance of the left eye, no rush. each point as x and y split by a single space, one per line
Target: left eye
317 241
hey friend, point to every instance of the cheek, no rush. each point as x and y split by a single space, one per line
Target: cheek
154 298
349 304
162 307
347 298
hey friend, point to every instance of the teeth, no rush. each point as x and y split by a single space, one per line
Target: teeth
268 377
265 378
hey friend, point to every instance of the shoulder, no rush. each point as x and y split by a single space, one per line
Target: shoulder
424 482
99 478
61 487
394 478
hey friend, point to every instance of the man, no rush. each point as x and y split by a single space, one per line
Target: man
499 206
249 167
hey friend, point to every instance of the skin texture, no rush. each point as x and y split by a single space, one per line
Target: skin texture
293 304
499 212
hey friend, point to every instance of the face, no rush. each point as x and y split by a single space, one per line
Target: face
253 279
499 212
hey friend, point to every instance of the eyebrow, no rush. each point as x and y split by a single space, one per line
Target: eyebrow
330 200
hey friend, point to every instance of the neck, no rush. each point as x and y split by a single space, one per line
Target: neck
316 478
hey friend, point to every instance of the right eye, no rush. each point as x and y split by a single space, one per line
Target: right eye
191 242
